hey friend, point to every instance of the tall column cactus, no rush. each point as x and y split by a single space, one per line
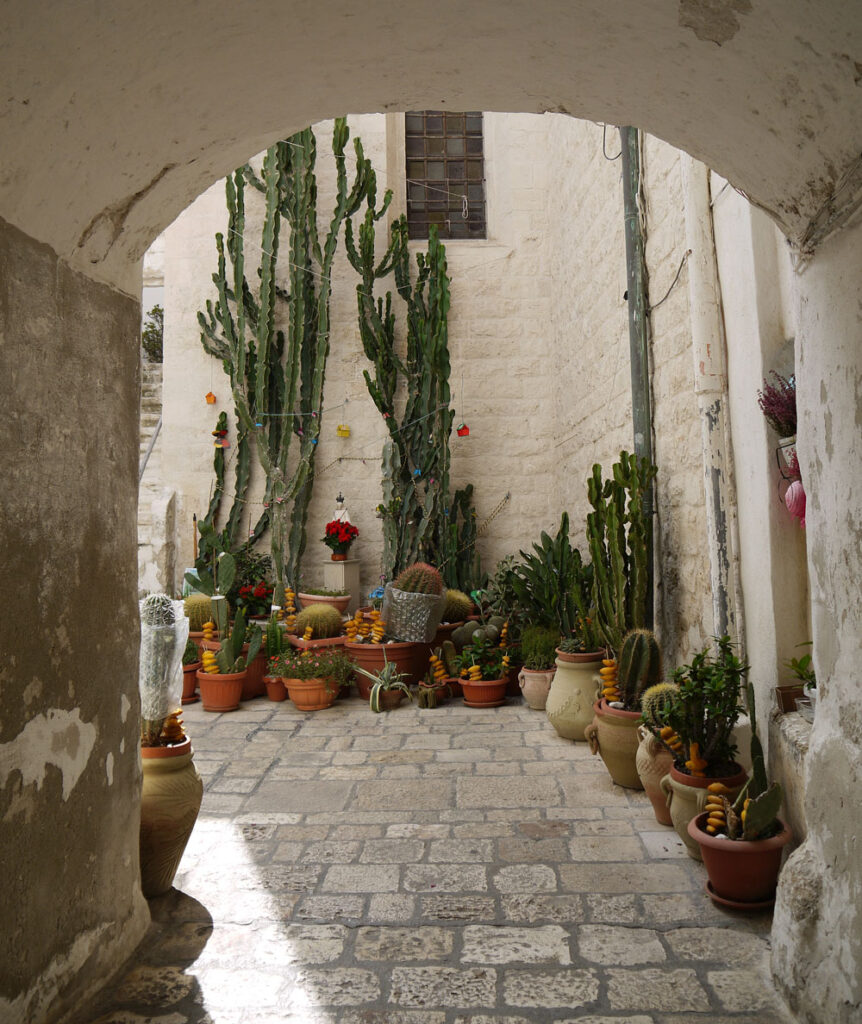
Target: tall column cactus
420 519
617 534
277 379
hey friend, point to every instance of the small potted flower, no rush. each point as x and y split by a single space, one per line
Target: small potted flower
777 401
483 666
314 677
338 535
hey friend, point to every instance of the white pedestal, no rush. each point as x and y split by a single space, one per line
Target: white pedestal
344 576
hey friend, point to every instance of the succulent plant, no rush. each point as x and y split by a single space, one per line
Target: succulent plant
655 702
419 578
638 666
324 619
539 647
198 611
191 655
458 606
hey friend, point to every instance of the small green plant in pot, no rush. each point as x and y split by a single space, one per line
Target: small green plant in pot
314 677
483 665
539 655
388 688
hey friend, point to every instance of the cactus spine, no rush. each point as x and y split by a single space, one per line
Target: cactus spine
420 578
618 530
638 666
420 519
324 620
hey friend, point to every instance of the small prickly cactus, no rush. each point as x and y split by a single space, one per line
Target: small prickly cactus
458 606
157 610
325 621
198 611
450 658
420 578
655 702
638 666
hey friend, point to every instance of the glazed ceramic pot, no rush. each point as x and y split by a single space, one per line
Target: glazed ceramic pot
485 693
686 796
573 692
311 694
653 761
190 683
535 685
742 874
170 801
613 735
275 688
220 692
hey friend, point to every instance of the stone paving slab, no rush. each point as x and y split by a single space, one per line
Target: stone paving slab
445 866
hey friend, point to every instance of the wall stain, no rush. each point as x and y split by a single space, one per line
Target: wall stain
713 21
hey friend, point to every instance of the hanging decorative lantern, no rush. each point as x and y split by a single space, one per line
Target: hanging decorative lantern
794 499
210 397
342 430
463 430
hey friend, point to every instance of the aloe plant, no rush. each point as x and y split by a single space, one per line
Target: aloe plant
544 581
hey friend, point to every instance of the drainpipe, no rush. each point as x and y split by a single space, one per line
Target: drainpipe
710 385
636 277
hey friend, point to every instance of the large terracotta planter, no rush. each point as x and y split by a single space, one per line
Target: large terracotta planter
339 603
220 692
409 657
535 684
613 735
486 693
573 692
190 683
653 761
253 685
170 800
742 874
686 796
311 694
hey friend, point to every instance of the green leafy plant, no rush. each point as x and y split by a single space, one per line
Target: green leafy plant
386 680
324 592
191 655
501 598
705 709
543 582
491 659
539 648
152 335
803 668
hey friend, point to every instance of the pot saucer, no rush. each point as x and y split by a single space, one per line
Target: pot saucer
737 904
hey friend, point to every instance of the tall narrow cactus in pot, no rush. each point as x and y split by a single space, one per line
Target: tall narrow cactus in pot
638 667
164 632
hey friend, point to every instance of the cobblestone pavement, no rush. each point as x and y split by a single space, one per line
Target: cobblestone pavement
446 866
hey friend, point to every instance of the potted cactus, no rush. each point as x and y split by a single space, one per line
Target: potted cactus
172 790
413 604
224 671
653 760
613 732
742 839
538 651
274 644
369 646
316 626
457 606
191 664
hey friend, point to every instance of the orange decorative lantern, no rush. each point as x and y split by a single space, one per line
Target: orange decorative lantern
210 397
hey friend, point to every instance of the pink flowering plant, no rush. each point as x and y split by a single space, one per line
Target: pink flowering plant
777 401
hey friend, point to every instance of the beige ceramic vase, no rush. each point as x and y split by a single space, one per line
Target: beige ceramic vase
686 797
613 734
573 692
170 800
653 761
535 685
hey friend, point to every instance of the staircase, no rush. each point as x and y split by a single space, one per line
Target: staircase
156 503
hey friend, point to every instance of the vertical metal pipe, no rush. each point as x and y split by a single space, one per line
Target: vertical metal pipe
636 277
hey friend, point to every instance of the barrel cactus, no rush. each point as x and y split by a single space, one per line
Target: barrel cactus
198 611
420 578
638 666
458 606
325 621
655 702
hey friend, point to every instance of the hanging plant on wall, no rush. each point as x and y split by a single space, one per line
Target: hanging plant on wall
277 377
421 520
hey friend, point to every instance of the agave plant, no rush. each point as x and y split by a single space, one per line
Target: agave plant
387 679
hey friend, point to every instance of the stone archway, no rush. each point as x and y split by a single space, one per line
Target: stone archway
113 121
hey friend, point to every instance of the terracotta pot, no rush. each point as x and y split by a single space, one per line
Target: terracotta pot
573 692
275 688
197 636
311 694
221 692
513 686
409 657
742 873
613 735
455 687
686 796
390 699
339 556
170 801
339 603
253 682
312 645
445 631
535 684
653 761
487 693
190 683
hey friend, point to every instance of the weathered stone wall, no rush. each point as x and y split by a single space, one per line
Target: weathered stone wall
69 766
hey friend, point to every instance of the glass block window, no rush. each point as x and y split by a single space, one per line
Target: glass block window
445 173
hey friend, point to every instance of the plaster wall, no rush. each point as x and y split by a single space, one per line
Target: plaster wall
817 932
69 732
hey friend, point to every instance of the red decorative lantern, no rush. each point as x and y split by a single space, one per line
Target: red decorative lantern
463 430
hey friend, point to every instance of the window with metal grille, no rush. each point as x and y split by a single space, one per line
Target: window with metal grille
445 173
